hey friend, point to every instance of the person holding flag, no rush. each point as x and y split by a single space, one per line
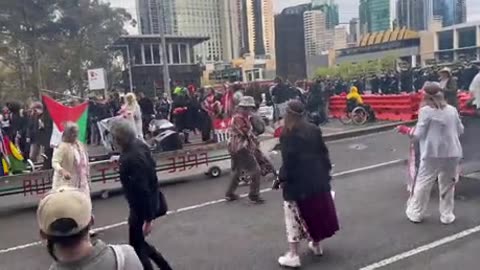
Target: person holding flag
437 131
70 161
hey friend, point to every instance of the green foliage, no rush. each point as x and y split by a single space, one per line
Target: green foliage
349 71
51 43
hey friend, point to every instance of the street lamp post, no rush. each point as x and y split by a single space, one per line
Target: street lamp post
166 73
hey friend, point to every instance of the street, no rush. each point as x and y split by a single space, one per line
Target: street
204 232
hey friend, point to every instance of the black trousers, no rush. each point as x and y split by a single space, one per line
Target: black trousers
144 250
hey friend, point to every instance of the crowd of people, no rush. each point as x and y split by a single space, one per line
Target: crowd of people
65 215
402 80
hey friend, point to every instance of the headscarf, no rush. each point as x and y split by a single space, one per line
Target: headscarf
355 95
433 96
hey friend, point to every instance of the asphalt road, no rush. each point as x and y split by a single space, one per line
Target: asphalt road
211 234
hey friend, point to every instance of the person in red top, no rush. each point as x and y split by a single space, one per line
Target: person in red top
228 103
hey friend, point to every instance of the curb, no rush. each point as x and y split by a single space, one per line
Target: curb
365 131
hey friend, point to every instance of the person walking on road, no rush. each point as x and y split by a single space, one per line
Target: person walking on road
70 162
64 217
438 130
305 177
242 147
139 181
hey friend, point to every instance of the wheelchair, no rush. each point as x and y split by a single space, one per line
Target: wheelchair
357 114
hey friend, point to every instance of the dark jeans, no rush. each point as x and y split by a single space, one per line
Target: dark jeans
144 250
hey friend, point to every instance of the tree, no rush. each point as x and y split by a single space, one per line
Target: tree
53 42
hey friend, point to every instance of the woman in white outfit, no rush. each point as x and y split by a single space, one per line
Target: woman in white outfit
438 130
131 111
70 162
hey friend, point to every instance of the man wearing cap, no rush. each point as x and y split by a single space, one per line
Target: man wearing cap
64 218
242 147
448 83
139 182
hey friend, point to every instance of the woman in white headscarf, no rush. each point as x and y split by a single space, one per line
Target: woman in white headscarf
131 111
438 130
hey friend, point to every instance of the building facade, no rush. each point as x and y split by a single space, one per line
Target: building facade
318 38
374 15
354 32
330 9
410 14
340 38
152 13
290 43
260 28
460 42
144 61
451 11
216 19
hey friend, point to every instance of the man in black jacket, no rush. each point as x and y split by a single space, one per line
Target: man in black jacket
139 182
148 110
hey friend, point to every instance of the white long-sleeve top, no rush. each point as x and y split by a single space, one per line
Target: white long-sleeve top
438 132
475 90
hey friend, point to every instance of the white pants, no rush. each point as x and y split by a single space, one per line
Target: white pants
431 169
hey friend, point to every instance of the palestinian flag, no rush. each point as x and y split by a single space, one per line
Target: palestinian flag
62 114
11 158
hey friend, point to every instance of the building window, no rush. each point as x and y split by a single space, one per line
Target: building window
137 56
183 53
156 54
176 53
147 52
467 37
445 40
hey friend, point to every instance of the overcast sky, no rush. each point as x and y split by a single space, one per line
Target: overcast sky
348 10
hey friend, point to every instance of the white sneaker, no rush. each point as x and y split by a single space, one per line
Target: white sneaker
447 220
316 250
289 260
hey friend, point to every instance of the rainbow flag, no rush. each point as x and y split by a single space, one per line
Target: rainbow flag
12 160
62 114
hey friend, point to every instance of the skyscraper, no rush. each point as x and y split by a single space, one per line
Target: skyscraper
290 43
354 32
216 19
260 27
150 16
374 15
410 14
451 11
330 9
318 38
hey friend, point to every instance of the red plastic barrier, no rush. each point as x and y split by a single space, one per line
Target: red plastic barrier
401 107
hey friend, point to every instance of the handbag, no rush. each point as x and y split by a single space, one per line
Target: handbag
161 205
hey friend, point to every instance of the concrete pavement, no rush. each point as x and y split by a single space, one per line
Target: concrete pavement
210 234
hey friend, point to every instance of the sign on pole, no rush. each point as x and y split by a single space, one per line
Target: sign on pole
97 79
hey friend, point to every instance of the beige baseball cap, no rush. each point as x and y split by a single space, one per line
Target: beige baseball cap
68 204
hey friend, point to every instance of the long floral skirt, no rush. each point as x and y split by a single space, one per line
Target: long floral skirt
312 219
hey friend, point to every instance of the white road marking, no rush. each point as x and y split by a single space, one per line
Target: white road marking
421 249
205 204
